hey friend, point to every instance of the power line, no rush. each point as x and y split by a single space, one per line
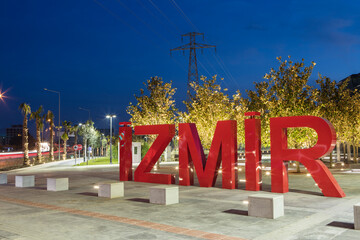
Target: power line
183 14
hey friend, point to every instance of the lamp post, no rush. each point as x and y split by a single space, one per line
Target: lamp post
59 118
111 117
86 110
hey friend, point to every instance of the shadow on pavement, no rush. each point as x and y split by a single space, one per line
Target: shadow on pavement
143 200
237 212
341 224
92 194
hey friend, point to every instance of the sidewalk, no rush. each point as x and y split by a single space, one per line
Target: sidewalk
203 213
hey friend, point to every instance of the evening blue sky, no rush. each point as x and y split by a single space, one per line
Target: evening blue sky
98 53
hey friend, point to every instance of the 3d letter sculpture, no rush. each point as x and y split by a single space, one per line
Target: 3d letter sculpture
253 152
125 153
223 150
142 173
308 157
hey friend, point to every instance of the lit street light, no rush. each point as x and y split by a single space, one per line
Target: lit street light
111 117
59 118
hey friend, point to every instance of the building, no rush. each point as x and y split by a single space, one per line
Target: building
14 135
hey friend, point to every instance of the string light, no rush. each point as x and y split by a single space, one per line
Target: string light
245 202
308 175
267 173
96 187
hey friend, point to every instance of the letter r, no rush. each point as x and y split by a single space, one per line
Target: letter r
308 157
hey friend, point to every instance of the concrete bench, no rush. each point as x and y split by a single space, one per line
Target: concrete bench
3 178
25 181
57 184
111 189
357 216
266 205
164 195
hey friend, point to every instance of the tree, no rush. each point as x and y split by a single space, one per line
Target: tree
38 117
67 129
87 130
209 104
157 107
50 119
287 93
26 110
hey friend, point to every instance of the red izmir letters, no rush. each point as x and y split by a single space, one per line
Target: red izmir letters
223 150
308 157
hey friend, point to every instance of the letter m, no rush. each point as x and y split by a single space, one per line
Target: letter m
223 151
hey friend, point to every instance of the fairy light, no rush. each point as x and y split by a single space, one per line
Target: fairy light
245 202
242 180
220 171
267 173
96 187
308 175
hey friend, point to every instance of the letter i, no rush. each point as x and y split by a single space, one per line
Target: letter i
253 152
125 151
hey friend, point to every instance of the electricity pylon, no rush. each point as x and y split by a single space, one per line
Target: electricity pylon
192 46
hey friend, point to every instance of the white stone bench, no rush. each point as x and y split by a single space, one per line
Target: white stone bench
111 189
25 181
164 195
3 178
57 184
357 216
266 205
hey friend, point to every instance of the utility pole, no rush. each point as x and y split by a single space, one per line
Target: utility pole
193 75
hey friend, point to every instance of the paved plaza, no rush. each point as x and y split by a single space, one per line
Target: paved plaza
203 213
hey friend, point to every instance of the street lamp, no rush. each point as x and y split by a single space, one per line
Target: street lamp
59 118
111 117
85 110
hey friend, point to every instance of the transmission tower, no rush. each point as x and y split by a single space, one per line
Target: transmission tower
192 46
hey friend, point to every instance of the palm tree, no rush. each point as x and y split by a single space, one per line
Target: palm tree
26 110
50 119
37 115
65 136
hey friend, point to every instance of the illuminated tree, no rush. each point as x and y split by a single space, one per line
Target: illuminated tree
50 119
67 130
286 93
26 110
87 131
39 120
209 104
155 107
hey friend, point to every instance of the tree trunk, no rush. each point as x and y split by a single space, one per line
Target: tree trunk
338 151
331 160
356 151
298 167
26 142
348 152
344 151
64 155
102 151
84 151
38 142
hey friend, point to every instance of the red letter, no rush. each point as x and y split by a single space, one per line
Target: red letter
308 157
142 173
223 149
125 152
253 152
